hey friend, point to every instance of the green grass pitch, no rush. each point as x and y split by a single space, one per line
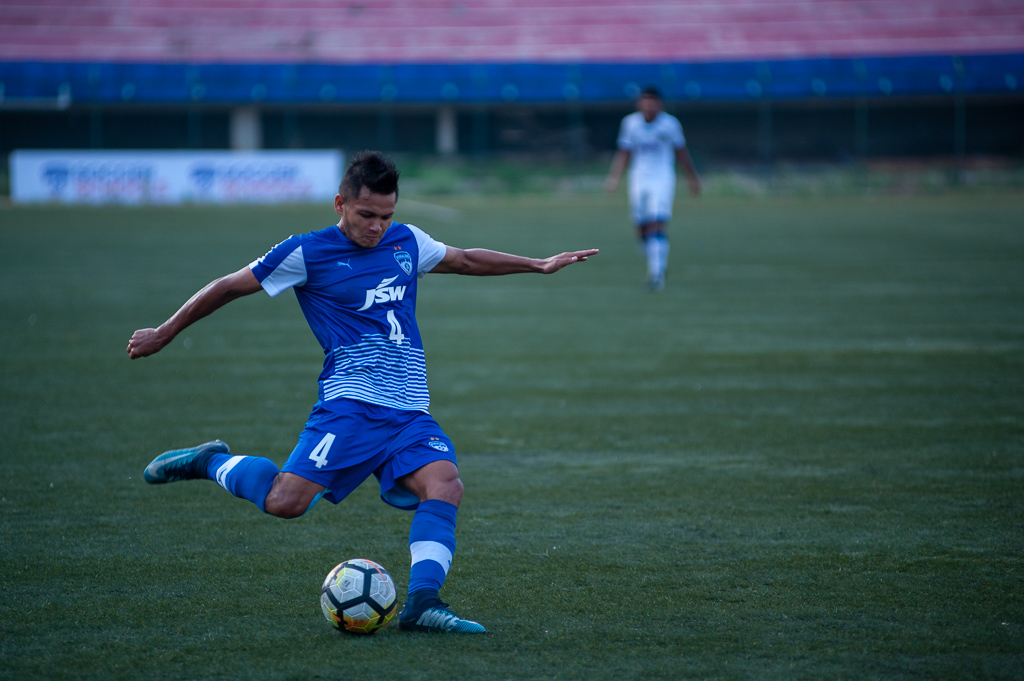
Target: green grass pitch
803 459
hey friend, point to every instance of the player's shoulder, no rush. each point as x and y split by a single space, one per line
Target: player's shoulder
635 118
329 233
397 232
310 244
403 235
305 237
666 118
407 230
415 231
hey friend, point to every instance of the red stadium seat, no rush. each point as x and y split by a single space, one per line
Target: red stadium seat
324 31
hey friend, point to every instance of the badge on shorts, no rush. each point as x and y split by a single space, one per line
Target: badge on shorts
437 444
404 261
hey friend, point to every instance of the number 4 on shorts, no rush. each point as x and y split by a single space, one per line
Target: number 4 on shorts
320 453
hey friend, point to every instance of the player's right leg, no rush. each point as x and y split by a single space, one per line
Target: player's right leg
645 202
183 464
247 477
292 495
336 451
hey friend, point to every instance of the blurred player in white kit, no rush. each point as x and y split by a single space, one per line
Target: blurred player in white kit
650 143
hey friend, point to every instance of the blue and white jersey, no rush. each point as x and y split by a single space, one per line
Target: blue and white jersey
361 305
652 145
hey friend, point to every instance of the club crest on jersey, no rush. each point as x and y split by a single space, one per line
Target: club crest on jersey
383 293
404 261
437 444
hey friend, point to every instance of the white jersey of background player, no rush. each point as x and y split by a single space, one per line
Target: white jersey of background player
650 142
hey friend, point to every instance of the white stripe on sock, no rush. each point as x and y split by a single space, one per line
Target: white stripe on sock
431 550
222 472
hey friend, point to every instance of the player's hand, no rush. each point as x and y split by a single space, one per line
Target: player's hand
695 186
611 184
145 342
557 262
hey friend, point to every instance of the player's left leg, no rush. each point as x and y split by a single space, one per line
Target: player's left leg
651 207
432 546
660 198
432 534
423 475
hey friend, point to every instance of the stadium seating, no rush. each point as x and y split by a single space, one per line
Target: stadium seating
516 31
470 51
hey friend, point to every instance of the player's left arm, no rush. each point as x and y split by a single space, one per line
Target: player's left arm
686 162
481 262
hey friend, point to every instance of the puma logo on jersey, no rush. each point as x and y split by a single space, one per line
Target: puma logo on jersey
383 294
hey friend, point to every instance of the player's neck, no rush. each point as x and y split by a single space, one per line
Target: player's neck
344 232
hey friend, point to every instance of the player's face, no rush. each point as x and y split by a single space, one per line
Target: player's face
364 219
649 106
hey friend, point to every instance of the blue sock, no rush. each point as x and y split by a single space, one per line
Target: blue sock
247 477
432 544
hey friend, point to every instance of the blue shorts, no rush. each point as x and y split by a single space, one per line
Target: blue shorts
345 441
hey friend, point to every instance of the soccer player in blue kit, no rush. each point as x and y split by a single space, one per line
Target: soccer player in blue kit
356 285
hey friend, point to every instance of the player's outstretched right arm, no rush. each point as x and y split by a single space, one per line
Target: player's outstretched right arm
214 295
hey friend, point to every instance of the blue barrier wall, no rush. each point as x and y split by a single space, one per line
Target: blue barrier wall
228 84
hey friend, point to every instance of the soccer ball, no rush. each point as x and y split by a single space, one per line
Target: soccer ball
359 597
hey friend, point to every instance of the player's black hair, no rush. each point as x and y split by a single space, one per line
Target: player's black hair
370 169
651 91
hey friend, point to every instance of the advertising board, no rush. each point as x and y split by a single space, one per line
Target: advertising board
168 177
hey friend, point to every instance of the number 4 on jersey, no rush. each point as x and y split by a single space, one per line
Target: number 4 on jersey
320 453
396 328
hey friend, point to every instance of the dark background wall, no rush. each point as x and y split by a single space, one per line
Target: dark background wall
832 131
